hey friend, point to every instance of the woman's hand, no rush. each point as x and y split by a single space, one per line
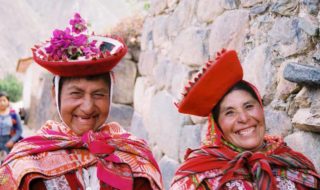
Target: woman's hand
9 144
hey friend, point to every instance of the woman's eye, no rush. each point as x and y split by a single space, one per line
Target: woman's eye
248 106
229 113
75 94
99 95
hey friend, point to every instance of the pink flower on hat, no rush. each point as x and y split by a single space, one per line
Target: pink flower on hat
71 44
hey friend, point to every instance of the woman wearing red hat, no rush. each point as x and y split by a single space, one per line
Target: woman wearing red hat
81 151
237 155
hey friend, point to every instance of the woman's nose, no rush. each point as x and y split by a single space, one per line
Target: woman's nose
243 116
87 105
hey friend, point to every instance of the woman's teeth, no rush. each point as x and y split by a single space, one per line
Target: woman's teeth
246 131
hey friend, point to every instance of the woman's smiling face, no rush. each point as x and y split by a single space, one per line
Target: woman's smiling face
84 104
242 120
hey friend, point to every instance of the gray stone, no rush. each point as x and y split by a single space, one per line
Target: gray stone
303 98
302 74
198 119
163 122
172 4
316 55
147 61
147 35
182 17
208 10
306 143
259 9
168 166
312 6
284 88
305 120
309 25
188 47
287 38
258 28
285 7
143 91
230 4
160 36
121 114
157 7
259 70
190 138
125 74
277 122
171 76
137 127
229 31
250 3
157 153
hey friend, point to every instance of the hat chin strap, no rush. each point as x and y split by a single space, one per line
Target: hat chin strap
56 89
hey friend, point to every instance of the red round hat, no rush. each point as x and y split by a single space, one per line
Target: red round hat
73 53
206 89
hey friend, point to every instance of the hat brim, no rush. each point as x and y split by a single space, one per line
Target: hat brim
79 68
219 77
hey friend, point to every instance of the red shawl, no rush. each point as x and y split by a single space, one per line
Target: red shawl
57 150
276 159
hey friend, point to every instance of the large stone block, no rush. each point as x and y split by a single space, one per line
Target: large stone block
147 35
171 76
312 6
285 7
302 74
121 114
229 31
208 10
137 127
277 122
307 120
190 138
143 91
250 3
160 36
164 123
168 167
182 17
287 38
125 74
284 88
157 7
189 47
306 143
230 4
259 70
147 61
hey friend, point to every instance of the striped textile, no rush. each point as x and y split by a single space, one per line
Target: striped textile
118 155
276 159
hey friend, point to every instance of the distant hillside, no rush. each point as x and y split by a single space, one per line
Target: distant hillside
27 22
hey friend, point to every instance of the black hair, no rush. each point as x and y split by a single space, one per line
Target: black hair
106 77
5 95
241 85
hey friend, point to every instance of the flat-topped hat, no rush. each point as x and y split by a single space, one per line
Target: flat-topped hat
206 89
75 52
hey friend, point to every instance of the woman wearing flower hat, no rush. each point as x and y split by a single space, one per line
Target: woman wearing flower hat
81 151
238 155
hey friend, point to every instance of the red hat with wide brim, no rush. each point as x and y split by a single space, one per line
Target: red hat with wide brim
84 67
208 87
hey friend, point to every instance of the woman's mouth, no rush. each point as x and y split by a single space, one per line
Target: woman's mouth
246 131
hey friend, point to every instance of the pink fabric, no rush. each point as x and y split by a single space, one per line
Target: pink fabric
118 154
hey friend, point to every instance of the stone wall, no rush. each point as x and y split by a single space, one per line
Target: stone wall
178 37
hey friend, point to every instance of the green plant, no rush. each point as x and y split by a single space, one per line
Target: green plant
12 86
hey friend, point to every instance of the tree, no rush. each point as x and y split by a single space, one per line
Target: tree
12 86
